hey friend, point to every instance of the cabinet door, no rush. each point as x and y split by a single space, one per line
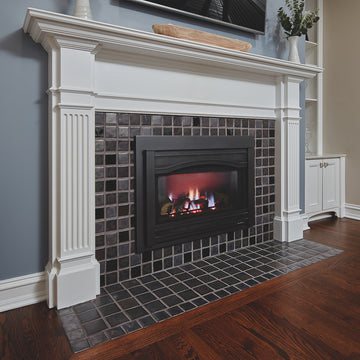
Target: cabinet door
331 179
313 184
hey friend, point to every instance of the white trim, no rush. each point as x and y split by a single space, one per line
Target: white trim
352 211
22 291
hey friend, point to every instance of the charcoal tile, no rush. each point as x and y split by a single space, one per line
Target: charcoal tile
175 310
88 316
76 335
216 285
230 280
221 293
203 289
178 287
115 332
109 309
169 281
254 272
251 282
80 345
171 300
97 339
161 315
70 323
128 303
130 326
136 313
121 295
163 292
154 285
211 297
83 307
146 297
187 306
94 326
199 301
188 294
183 276
137 290
192 283
146 321
154 306
116 319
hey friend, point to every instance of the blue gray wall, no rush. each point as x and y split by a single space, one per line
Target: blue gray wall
23 104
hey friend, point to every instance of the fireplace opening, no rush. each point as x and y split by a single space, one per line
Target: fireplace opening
196 194
191 187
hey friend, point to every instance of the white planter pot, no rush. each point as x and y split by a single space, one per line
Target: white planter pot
293 49
82 9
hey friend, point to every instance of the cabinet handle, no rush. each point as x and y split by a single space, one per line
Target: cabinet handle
326 165
321 165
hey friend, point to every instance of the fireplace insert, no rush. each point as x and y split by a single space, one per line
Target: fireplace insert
188 188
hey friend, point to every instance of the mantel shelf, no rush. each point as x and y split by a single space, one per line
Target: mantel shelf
43 25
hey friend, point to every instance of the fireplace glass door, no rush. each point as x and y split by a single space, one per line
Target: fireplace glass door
195 194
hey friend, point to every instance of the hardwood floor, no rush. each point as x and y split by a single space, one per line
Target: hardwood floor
312 313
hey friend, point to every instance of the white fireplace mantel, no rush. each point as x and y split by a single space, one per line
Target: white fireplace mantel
97 66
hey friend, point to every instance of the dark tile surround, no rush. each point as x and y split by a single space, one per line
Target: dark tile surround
134 304
115 233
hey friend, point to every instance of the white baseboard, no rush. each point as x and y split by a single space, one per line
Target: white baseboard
352 211
22 291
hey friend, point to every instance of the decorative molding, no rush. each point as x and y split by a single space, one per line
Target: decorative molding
22 291
305 222
137 71
352 211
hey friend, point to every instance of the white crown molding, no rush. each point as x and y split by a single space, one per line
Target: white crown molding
352 211
97 66
22 291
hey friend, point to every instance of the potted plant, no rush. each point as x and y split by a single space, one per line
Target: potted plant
296 22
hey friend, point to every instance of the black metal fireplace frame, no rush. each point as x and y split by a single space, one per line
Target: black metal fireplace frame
205 152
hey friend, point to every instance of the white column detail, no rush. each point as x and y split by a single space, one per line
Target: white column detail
288 223
72 271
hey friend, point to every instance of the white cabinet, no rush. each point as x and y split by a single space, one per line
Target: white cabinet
325 185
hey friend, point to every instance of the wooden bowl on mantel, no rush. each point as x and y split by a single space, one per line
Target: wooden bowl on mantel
201 37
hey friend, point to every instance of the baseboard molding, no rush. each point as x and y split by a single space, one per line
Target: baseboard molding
352 211
22 291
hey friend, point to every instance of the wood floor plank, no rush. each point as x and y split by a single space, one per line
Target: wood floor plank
32 332
313 320
283 332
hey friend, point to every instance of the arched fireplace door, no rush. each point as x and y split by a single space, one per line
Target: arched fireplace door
189 188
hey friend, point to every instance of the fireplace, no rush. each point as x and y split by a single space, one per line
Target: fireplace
106 68
189 188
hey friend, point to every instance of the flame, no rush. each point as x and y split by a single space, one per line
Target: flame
194 194
211 200
190 206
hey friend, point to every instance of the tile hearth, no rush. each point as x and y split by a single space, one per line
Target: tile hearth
137 303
